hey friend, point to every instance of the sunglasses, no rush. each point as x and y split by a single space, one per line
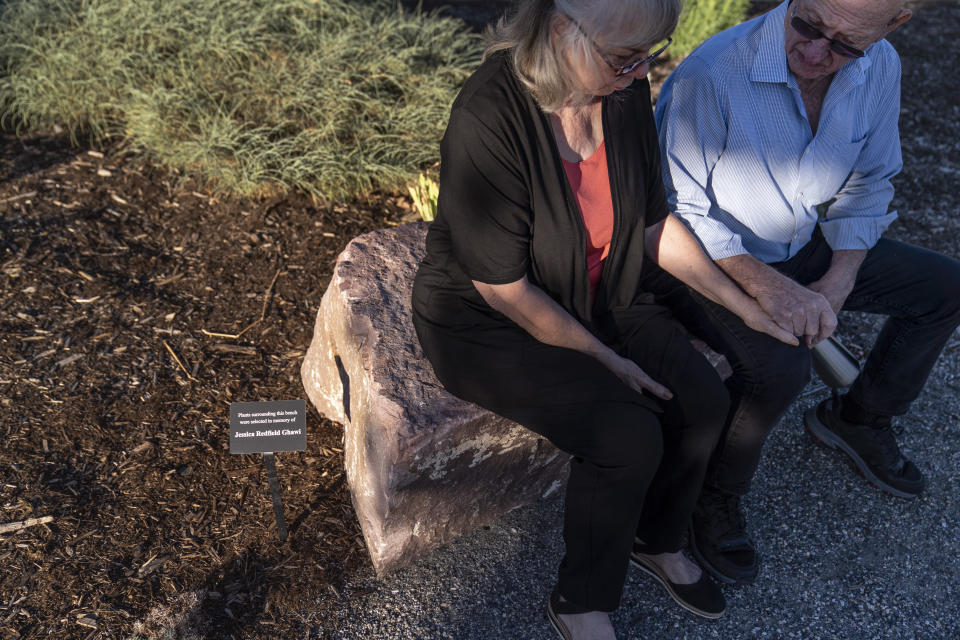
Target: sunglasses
622 69
810 32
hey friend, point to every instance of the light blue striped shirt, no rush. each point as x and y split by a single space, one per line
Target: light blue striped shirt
739 161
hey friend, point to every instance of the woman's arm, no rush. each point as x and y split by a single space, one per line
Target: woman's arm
679 253
539 314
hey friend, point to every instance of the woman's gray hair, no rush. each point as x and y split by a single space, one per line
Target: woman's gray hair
538 56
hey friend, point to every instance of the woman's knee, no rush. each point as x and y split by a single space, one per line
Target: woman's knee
620 435
702 400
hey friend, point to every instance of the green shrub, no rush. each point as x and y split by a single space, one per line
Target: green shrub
703 18
424 196
333 97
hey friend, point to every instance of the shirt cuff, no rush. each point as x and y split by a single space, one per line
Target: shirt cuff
856 233
717 240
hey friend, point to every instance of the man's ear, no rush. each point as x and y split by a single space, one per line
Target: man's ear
900 18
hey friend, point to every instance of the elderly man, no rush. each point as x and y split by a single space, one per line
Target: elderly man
779 139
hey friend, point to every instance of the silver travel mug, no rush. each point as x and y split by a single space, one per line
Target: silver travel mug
834 363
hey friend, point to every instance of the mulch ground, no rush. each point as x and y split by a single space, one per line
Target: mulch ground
135 306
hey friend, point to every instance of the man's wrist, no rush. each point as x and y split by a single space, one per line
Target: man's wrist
844 267
756 278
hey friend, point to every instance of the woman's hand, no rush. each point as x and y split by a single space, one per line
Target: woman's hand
678 252
633 376
760 321
531 308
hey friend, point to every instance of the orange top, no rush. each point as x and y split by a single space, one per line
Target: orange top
590 183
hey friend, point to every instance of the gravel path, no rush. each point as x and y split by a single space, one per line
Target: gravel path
840 559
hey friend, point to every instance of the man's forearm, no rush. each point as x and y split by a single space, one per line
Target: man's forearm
679 253
837 283
755 277
845 265
795 308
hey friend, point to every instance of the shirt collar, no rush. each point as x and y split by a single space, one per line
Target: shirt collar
770 63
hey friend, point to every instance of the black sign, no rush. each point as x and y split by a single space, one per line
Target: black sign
259 427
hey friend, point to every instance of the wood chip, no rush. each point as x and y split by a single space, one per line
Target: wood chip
87 621
69 359
246 471
169 279
143 446
235 348
178 361
10 527
151 565
20 196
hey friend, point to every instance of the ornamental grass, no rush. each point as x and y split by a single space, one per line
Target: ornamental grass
332 97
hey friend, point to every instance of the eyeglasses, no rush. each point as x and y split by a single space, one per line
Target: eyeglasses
623 69
810 32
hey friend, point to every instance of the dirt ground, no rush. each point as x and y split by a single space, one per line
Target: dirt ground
134 307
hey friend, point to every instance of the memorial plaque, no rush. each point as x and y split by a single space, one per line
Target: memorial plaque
261 427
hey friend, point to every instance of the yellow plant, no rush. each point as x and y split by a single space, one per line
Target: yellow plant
424 195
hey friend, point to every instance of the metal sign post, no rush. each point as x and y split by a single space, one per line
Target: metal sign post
275 494
266 427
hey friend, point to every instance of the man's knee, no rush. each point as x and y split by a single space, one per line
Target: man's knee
778 373
946 287
915 284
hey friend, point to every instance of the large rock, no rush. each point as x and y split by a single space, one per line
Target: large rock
423 466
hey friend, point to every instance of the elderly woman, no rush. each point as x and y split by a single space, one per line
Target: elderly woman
531 300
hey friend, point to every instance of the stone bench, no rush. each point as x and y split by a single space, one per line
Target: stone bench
423 466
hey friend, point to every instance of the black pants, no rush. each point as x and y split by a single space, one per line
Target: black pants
638 463
919 291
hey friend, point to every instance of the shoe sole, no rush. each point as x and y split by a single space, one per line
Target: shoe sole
827 437
557 624
712 570
654 572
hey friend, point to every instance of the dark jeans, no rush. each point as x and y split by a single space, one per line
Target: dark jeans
638 462
919 291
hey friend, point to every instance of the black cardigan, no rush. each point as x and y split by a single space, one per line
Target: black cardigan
506 208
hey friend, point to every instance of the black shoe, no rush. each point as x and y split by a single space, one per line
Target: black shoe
556 607
702 597
719 540
873 449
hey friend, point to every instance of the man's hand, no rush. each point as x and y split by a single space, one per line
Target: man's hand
799 310
795 308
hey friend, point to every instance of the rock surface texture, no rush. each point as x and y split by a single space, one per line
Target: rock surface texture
423 466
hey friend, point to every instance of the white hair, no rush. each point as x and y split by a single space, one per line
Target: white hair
537 54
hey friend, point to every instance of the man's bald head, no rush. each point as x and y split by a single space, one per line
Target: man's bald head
856 23
878 12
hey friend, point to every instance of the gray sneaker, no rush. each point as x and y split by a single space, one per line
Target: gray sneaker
874 450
